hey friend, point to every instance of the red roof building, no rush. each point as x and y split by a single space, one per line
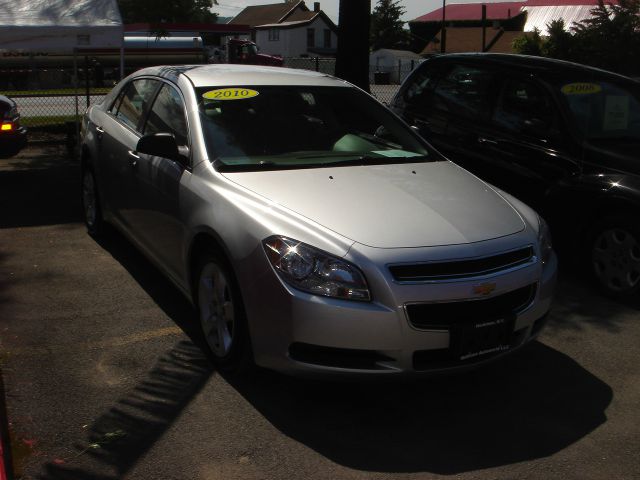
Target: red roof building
473 12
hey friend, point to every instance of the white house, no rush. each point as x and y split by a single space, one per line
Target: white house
397 63
290 29
303 38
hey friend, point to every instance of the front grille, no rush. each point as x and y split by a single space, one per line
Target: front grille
441 316
422 272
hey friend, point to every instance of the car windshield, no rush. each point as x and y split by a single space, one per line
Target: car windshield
603 110
279 127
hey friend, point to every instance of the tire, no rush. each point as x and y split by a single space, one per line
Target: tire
221 314
91 209
614 256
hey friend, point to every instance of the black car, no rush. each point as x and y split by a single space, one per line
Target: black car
13 137
562 137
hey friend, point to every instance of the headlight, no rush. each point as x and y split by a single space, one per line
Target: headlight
311 270
544 240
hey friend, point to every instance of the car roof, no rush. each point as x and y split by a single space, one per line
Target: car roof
228 74
532 64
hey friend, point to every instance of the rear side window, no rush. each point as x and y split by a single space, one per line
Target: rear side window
134 101
168 115
465 91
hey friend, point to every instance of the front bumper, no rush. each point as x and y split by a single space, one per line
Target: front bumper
303 334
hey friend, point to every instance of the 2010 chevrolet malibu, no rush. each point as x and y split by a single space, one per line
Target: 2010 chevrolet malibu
313 229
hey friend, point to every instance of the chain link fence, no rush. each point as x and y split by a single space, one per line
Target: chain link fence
49 97
51 89
384 81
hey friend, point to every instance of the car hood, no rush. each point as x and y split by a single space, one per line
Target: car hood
391 206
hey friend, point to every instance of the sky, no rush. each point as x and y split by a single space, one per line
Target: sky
414 8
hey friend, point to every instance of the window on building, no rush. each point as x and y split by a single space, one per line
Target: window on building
274 34
311 37
327 38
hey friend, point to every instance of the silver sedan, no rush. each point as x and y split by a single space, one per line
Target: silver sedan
314 231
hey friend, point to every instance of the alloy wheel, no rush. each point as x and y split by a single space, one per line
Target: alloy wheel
217 309
89 200
616 259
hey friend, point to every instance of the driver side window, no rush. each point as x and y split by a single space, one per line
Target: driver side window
168 115
524 108
134 101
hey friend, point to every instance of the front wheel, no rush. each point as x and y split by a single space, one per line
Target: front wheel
221 314
615 257
91 203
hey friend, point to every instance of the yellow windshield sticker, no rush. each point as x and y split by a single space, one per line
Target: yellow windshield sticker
581 88
230 94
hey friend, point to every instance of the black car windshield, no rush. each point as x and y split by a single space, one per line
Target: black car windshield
603 110
280 127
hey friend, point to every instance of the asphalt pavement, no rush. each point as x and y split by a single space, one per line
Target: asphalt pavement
105 377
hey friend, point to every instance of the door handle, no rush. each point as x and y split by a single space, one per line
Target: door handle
100 132
134 157
487 141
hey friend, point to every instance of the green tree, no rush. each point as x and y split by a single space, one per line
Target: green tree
529 43
352 56
386 27
610 39
174 11
559 42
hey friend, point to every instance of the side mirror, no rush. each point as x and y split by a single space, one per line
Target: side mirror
161 145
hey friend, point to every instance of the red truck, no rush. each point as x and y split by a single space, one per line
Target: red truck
246 52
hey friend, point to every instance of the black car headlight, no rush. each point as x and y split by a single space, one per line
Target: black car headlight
311 270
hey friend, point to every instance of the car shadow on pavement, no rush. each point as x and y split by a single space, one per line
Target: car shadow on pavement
123 434
532 405
154 283
40 186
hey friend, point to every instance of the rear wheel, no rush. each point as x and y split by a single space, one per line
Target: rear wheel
615 256
221 314
91 203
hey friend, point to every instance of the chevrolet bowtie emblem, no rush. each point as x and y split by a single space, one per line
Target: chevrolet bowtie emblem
484 288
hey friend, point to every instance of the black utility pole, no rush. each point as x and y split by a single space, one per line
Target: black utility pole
352 56
443 32
484 27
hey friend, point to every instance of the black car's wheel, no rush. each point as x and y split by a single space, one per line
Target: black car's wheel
614 254
91 203
221 314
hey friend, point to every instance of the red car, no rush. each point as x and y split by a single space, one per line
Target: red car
13 137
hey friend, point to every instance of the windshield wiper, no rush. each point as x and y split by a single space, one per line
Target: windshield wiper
353 160
371 160
379 140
